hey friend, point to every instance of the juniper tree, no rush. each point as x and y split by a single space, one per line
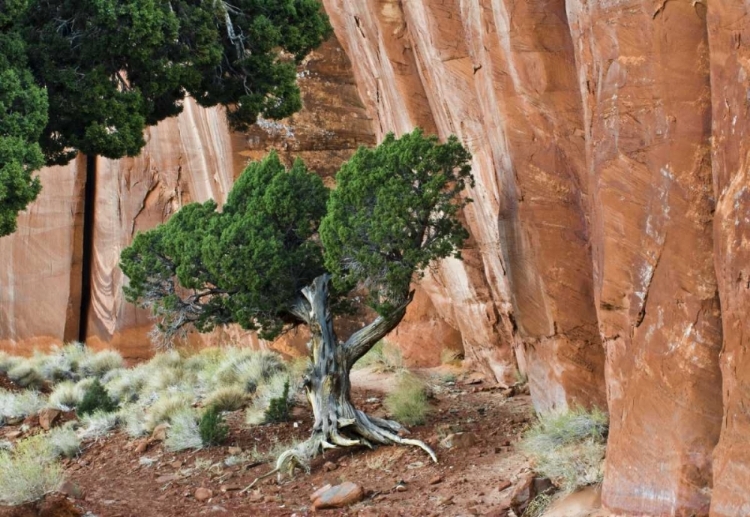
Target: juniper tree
90 75
283 248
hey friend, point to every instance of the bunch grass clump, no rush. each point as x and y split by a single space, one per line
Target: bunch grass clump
276 388
20 404
97 424
65 396
64 441
25 376
228 398
383 357
184 432
29 472
408 401
569 447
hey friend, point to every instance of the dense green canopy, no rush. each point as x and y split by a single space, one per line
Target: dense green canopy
395 209
110 68
245 264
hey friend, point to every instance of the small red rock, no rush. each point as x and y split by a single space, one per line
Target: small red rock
48 417
437 479
203 494
329 466
338 496
160 433
504 484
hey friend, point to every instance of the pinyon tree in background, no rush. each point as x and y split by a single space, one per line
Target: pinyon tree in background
283 251
90 75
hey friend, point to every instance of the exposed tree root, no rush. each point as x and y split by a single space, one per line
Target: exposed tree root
362 430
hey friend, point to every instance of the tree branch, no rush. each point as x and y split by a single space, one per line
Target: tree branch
364 339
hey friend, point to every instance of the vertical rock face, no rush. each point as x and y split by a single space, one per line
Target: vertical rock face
40 264
502 77
729 41
643 71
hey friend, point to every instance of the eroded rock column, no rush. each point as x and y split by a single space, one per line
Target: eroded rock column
729 39
644 78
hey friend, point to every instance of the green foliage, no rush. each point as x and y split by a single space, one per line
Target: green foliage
395 209
96 399
212 428
279 409
23 116
91 75
407 402
568 447
113 67
246 264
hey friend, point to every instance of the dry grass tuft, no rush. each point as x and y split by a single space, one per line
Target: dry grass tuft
408 403
568 447
383 357
229 398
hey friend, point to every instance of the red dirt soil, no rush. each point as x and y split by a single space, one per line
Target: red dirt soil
471 480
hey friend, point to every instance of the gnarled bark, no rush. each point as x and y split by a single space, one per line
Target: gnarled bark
337 422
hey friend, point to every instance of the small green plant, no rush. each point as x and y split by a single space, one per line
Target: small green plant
212 428
568 447
408 401
279 409
29 471
96 399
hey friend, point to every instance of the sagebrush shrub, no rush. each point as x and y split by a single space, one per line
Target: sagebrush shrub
212 428
29 471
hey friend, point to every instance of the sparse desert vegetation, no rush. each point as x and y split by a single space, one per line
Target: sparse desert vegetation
568 447
408 402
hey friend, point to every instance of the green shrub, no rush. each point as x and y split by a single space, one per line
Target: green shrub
568 447
407 402
29 471
96 399
212 428
279 409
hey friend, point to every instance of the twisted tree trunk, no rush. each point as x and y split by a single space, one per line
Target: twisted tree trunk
337 422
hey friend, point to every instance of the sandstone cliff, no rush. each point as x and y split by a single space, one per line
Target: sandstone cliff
610 228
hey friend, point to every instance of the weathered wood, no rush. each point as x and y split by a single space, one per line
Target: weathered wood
328 388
